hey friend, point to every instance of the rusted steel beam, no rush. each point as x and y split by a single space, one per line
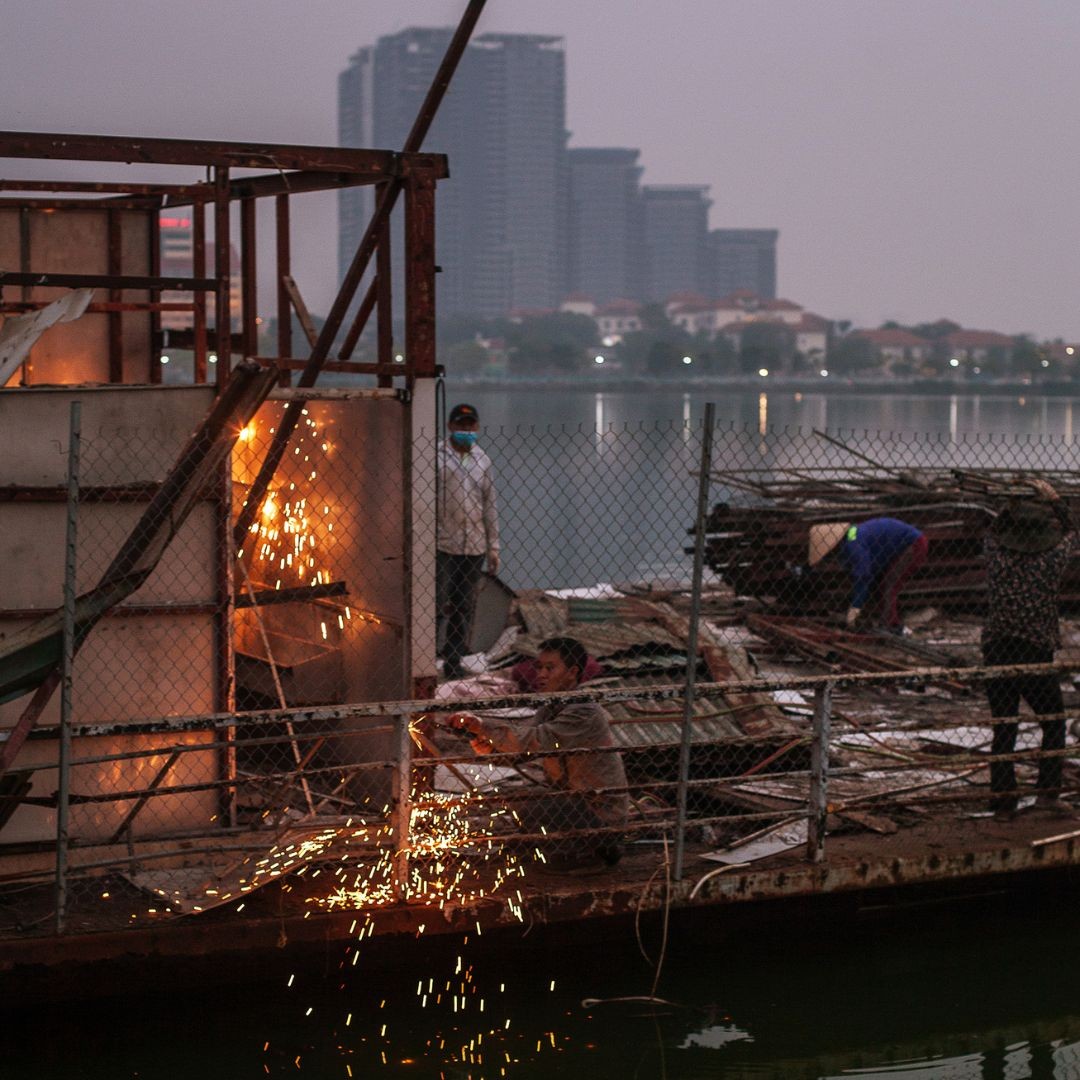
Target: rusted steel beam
282 226
153 252
363 313
289 363
384 304
376 164
105 281
100 308
90 186
248 283
198 268
140 492
302 594
292 291
222 275
119 610
420 275
154 784
122 202
185 338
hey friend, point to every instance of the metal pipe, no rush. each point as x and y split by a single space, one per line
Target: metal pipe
70 591
819 774
402 805
692 633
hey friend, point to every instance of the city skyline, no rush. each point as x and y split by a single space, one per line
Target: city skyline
917 158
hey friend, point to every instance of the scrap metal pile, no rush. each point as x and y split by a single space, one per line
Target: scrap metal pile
759 544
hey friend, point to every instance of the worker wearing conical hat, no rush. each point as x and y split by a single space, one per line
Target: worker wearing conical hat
879 554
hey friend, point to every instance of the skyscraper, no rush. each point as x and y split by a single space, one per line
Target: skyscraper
744 259
605 242
676 227
355 117
501 217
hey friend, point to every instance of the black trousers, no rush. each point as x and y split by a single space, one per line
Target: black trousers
1043 695
457 577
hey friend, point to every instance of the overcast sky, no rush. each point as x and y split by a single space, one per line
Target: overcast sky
920 157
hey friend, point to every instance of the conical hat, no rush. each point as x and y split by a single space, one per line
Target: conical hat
823 538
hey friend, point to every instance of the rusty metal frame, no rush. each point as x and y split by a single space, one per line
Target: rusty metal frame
297 169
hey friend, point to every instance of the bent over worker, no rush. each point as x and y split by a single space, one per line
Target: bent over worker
587 790
1030 543
880 555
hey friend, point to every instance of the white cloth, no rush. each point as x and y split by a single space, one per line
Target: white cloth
468 521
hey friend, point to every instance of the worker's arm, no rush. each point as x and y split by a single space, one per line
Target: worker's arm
861 569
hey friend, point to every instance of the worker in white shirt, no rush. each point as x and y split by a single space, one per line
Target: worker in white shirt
468 530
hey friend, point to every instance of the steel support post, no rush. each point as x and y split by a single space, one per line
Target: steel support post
283 270
198 269
223 277
385 305
153 296
819 773
705 468
70 592
249 302
402 805
420 273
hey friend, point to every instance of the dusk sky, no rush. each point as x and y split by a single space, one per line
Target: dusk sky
919 157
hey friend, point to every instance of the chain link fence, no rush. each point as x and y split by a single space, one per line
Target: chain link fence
226 717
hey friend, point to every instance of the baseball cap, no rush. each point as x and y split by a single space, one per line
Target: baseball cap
463 412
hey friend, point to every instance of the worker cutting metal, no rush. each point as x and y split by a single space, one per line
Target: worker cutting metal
880 556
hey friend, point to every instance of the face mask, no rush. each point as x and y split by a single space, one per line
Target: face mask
463 440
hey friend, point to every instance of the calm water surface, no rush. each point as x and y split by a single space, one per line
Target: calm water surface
957 995
601 487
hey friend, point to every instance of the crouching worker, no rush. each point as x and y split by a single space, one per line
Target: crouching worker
879 555
587 790
1030 543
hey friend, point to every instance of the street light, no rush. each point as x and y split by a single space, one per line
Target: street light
687 359
598 359
763 372
954 362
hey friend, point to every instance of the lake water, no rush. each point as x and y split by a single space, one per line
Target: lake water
601 487
988 990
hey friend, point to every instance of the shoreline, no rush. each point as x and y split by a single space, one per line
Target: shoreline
832 386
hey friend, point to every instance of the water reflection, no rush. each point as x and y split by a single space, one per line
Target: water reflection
600 487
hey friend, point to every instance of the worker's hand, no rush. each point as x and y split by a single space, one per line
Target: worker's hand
493 563
465 721
1045 489
852 616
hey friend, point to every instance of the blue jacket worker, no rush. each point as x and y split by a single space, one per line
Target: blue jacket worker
880 555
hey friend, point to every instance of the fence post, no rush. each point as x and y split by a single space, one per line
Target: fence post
692 632
402 805
819 773
64 763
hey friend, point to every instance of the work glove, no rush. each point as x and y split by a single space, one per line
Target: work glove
852 616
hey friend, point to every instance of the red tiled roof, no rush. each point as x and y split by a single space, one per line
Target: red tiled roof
738 299
578 298
780 305
684 299
620 307
978 339
810 322
892 338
